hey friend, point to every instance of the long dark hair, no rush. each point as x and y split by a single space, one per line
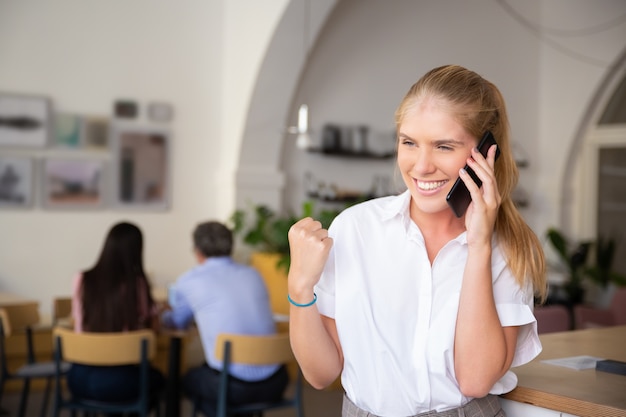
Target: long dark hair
113 287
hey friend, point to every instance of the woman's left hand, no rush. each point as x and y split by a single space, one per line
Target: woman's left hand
481 214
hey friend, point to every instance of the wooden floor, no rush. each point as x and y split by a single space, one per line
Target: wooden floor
325 403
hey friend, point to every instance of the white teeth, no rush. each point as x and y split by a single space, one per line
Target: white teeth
430 185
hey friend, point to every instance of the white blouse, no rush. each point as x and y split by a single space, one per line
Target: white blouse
396 314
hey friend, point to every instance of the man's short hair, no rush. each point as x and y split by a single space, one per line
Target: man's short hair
213 239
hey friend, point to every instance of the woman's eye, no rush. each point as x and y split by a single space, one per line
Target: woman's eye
445 148
408 142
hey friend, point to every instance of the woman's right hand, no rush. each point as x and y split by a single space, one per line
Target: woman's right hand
309 246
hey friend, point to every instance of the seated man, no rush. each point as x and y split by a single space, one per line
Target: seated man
223 296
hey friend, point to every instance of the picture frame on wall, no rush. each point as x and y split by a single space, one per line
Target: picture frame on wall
84 132
67 131
16 182
95 132
24 120
71 183
141 167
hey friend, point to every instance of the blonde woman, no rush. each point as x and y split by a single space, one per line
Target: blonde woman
416 309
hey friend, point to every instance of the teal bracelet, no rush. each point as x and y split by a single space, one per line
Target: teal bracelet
302 305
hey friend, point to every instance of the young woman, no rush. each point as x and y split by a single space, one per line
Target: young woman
113 296
419 310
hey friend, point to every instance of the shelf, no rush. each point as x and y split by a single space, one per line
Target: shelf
615 171
350 154
609 206
343 199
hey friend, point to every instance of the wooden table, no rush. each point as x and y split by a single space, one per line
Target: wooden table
584 393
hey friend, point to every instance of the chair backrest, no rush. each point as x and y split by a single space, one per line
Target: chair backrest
102 349
255 350
5 323
61 309
552 318
20 316
5 331
17 317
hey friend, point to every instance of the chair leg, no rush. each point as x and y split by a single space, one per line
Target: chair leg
194 407
3 412
24 398
46 397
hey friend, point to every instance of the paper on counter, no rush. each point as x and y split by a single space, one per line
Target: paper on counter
575 362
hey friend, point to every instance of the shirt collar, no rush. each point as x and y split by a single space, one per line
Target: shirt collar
399 206
217 260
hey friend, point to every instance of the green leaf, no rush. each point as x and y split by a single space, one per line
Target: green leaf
559 243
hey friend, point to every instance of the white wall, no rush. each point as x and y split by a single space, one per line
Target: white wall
201 56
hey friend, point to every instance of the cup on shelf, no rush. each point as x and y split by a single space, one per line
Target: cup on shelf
359 139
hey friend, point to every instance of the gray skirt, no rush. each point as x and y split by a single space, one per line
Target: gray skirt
488 406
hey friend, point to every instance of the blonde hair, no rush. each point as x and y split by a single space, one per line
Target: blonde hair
478 106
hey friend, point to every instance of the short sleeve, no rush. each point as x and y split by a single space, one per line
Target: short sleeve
325 288
514 305
528 343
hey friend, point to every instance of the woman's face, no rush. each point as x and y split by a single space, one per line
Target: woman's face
432 147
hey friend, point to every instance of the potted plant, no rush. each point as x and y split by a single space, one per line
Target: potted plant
574 257
602 272
597 268
265 232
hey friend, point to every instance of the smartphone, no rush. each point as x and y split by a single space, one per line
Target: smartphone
459 196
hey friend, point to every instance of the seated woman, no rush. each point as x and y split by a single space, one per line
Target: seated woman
113 296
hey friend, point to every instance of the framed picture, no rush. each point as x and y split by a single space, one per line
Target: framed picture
24 120
160 112
95 132
16 182
141 177
67 130
73 183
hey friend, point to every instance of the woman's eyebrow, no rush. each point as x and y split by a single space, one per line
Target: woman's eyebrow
448 142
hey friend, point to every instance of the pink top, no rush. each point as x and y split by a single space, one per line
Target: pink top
77 303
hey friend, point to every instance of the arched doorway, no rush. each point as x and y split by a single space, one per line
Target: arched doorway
594 195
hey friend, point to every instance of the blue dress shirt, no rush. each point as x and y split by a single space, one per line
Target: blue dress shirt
223 296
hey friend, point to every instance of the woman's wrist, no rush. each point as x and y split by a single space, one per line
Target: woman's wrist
302 304
300 294
477 248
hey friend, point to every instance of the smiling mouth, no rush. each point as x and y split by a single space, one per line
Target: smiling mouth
430 185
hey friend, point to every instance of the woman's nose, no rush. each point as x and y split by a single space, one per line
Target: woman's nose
424 162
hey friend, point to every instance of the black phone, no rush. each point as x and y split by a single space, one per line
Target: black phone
459 196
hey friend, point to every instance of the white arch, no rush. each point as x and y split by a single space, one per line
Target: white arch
259 178
579 192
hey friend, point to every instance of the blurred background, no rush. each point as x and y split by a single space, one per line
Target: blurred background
223 81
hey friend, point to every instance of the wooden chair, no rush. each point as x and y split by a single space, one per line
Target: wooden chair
61 310
615 315
253 350
21 318
106 349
